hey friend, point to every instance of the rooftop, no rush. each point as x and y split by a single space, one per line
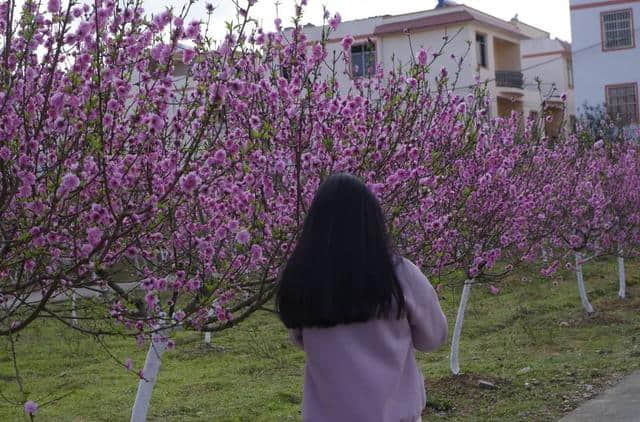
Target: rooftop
445 13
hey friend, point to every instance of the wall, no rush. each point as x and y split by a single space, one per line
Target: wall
507 55
495 61
593 68
548 61
393 50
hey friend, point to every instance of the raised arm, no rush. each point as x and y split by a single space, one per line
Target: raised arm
428 324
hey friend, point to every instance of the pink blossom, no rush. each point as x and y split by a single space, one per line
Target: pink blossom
220 156
113 105
31 407
187 55
155 122
5 153
318 52
233 225
94 236
128 364
69 182
57 100
53 6
335 21
193 30
422 57
148 284
256 252
194 284
179 315
221 315
242 237
493 290
190 182
346 43
151 300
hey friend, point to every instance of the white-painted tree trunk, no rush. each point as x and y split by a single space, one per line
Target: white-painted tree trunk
621 276
455 341
74 315
150 373
207 337
583 292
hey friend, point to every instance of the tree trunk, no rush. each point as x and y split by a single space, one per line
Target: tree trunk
583 292
621 276
207 337
150 373
455 342
74 315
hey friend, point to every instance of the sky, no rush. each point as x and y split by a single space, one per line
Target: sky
550 15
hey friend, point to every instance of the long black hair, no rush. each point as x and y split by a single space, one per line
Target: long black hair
342 268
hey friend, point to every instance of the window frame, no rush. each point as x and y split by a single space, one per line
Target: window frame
365 72
634 86
486 50
603 32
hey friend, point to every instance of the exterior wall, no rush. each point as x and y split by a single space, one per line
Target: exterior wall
496 61
548 61
507 55
392 49
395 51
593 67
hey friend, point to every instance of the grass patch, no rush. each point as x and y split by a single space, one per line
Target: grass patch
251 373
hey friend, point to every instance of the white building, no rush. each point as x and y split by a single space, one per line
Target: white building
493 49
606 55
548 74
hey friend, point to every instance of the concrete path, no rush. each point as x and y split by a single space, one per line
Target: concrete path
618 404
65 296
81 292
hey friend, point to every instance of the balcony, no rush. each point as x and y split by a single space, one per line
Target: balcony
509 79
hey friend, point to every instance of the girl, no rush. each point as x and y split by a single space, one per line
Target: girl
357 311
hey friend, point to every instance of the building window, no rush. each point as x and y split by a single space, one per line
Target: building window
481 49
617 30
363 60
570 73
622 102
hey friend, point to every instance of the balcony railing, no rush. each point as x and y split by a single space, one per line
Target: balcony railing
509 79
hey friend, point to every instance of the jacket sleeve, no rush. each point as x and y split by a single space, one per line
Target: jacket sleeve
428 323
295 336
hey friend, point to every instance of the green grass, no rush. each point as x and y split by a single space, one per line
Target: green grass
252 374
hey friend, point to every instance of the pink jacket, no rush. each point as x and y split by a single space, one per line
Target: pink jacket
367 371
